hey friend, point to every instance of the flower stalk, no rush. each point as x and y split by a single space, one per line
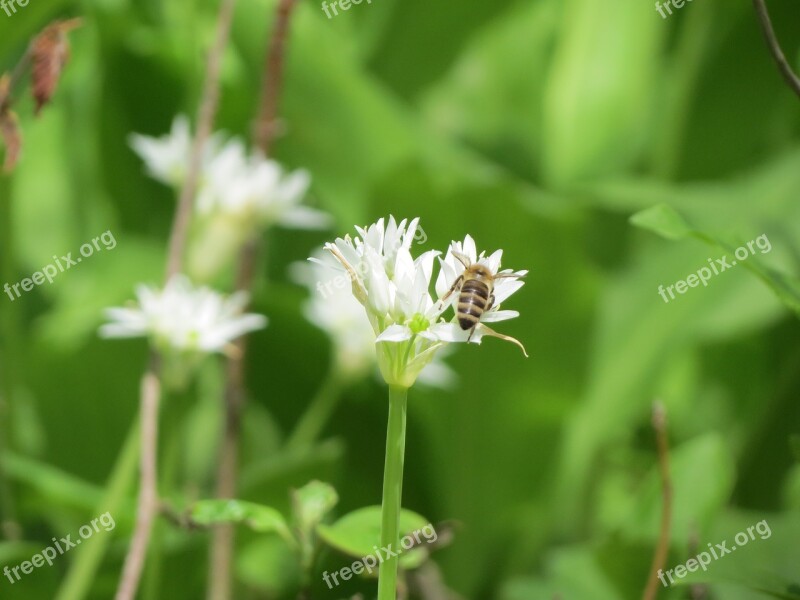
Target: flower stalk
148 502
221 579
410 328
392 489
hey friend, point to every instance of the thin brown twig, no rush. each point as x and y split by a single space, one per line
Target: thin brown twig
662 549
264 133
147 504
266 127
205 124
775 47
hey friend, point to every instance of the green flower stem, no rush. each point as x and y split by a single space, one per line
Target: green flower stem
392 489
83 571
317 414
11 346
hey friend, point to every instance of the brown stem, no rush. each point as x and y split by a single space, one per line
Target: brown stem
264 132
205 124
774 46
266 127
660 556
147 505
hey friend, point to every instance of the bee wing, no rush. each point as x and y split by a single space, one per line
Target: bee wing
517 275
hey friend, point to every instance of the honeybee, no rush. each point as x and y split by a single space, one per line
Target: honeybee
475 288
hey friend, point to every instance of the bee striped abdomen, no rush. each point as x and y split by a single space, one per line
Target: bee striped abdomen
472 302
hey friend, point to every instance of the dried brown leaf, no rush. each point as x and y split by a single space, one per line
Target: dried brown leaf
49 54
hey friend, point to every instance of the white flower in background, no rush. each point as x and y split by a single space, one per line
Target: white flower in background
238 194
183 319
333 308
248 187
394 289
257 191
167 158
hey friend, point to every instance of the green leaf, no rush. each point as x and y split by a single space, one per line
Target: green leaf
599 95
703 474
667 222
259 518
14 551
664 220
560 580
54 485
358 534
270 566
312 502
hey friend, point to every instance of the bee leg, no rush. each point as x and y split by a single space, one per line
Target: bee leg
456 285
471 331
491 303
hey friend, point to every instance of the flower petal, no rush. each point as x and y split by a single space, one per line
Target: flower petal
395 333
498 315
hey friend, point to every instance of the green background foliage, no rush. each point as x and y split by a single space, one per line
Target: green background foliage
540 127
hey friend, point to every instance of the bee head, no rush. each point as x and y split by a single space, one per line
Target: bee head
481 271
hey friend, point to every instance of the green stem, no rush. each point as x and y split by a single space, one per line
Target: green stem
83 572
317 415
392 489
10 347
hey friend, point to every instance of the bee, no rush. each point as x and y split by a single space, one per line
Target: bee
475 288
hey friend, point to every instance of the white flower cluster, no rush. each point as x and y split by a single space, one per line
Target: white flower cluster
342 317
238 195
182 318
394 287
184 323
232 183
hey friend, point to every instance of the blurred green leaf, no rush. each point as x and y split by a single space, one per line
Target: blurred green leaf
667 222
358 534
269 565
54 485
259 518
599 92
312 502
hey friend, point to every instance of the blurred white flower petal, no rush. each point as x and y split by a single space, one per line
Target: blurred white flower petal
183 318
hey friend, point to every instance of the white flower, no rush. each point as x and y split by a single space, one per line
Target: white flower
167 158
256 190
506 282
249 188
394 289
183 319
333 308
